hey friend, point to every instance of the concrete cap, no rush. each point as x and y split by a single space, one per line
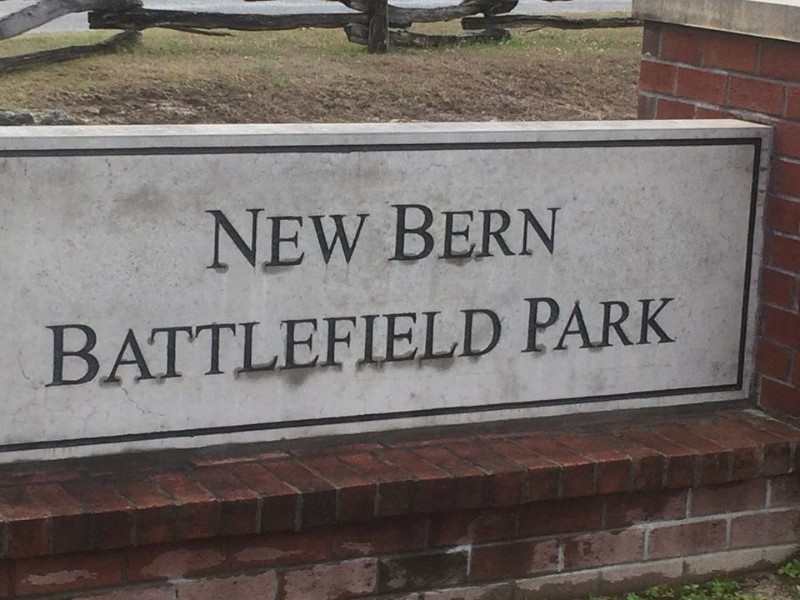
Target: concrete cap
774 19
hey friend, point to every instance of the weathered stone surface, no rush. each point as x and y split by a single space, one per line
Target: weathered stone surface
763 18
168 286
15 117
25 117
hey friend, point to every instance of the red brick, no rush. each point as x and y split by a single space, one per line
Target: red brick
415 441
197 511
513 559
603 548
673 109
776 451
356 493
434 489
170 561
701 85
765 529
713 460
731 52
681 45
624 510
44 575
756 95
772 425
506 480
785 490
112 517
704 112
156 592
279 501
544 475
786 180
745 453
686 539
792 102
155 515
648 464
762 428
773 360
680 467
39 473
796 370
26 524
613 467
239 587
386 536
780 60
754 451
465 527
613 476
319 497
470 480
228 457
5 579
781 398
779 288
395 488
782 326
334 446
349 579
783 253
578 473
657 77
734 497
646 107
557 516
238 503
777 459
426 571
787 141
70 526
684 436
651 38
279 549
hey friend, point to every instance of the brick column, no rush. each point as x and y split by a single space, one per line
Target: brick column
703 60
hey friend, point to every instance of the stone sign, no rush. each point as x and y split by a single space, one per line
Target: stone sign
185 286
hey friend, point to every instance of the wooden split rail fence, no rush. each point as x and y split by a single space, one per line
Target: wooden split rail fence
374 23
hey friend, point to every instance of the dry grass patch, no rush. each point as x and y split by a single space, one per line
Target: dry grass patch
317 76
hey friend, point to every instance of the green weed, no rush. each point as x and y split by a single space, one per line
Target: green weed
717 589
791 569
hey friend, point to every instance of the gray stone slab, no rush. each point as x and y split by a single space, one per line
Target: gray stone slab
772 19
113 236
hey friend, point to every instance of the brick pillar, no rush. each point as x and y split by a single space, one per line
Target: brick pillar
695 72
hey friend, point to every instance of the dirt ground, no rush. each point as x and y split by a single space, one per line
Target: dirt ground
770 587
317 76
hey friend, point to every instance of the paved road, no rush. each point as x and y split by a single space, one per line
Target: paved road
78 22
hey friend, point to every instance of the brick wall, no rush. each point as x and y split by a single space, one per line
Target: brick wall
652 537
563 511
689 73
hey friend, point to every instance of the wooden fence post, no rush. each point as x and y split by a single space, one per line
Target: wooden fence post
378 37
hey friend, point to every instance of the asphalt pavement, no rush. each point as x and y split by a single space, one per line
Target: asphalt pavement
77 22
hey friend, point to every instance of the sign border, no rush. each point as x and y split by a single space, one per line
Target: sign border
755 142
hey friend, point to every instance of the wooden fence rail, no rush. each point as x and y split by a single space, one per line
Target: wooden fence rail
374 23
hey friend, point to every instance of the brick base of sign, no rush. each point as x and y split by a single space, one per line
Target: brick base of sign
535 510
693 73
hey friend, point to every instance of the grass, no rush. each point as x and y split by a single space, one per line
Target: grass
717 589
762 586
317 75
791 569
